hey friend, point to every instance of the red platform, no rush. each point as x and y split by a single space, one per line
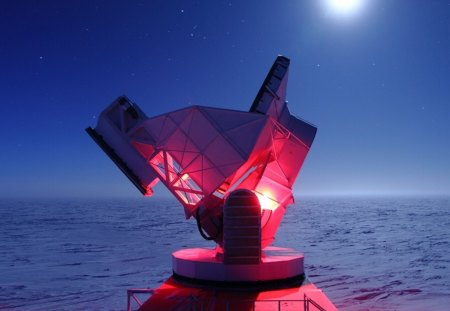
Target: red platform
175 295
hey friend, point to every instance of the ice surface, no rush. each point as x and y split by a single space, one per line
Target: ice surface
365 253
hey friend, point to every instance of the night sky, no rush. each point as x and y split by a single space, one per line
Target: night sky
376 83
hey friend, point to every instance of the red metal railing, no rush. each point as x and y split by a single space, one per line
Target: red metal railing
305 304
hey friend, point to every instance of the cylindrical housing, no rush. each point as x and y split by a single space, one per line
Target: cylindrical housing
242 228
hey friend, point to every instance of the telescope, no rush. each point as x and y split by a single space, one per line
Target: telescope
231 170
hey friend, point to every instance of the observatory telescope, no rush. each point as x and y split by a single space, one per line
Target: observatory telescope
233 171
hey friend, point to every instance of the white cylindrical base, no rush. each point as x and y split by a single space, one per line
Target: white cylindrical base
202 264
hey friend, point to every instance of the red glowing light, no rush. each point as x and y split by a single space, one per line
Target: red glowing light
266 200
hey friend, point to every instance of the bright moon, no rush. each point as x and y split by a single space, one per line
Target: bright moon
344 7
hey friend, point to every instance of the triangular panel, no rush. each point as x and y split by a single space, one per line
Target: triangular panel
245 137
154 125
142 135
180 115
228 119
201 130
222 152
167 130
144 150
176 141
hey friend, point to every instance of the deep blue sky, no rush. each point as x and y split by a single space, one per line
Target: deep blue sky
377 85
